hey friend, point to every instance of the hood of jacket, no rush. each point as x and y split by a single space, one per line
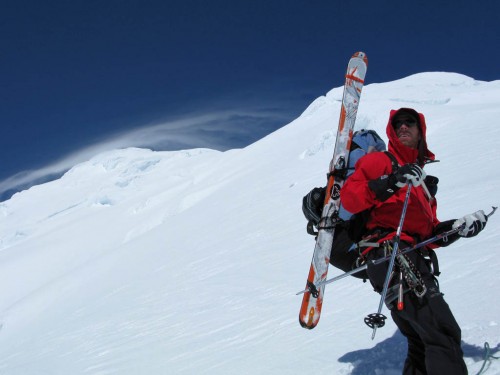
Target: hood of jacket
403 153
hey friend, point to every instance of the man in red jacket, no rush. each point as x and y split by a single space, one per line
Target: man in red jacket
426 320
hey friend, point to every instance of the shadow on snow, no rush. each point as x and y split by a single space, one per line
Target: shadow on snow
388 356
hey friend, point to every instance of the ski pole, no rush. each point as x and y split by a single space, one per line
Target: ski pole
374 262
378 320
387 258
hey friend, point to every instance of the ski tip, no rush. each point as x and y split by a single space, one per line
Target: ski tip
361 55
309 319
307 325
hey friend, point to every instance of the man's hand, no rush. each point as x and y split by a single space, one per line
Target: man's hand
474 223
410 173
385 186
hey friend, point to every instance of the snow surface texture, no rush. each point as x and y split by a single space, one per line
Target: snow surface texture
141 262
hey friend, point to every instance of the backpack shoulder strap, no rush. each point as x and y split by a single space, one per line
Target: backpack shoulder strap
394 162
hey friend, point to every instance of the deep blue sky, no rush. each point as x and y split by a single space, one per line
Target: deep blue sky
79 73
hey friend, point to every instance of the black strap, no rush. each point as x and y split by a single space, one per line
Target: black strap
394 161
434 261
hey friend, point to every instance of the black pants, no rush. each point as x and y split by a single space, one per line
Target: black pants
428 324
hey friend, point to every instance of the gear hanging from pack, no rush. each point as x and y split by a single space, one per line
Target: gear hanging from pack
411 275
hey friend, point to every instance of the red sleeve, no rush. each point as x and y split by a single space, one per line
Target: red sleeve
435 221
355 195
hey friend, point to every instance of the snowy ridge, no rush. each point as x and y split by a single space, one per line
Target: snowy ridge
142 262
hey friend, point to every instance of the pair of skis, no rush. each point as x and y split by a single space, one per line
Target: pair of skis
312 301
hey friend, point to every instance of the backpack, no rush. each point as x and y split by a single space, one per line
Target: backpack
363 142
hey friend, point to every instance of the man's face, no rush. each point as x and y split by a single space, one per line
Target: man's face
407 129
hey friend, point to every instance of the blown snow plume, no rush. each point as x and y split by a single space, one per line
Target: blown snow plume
142 262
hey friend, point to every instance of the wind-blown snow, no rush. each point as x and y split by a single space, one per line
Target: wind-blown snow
141 262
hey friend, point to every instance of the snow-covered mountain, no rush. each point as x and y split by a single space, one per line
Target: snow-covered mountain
141 262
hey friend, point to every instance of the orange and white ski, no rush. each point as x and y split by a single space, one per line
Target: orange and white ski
312 300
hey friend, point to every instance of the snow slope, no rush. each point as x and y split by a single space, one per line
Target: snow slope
141 262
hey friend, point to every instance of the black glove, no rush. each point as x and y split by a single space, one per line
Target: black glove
384 187
442 227
410 173
474 223
312 204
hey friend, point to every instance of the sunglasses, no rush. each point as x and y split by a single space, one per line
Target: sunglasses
409 122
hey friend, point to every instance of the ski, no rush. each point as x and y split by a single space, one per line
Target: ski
312 300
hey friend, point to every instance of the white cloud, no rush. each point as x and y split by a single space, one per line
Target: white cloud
218 130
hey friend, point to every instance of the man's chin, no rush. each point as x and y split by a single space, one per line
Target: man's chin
407 142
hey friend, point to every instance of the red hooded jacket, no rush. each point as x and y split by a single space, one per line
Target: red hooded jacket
356 196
